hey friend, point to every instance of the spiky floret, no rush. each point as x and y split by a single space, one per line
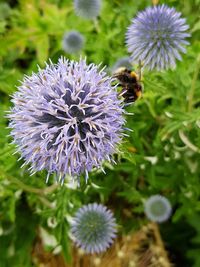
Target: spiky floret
88 9
156 37
157 208
67 118
93 228
72 42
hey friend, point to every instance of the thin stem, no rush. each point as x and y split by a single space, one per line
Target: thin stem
45 202
96 25
193 85
28 188
160 243
151 109
140 70
187 142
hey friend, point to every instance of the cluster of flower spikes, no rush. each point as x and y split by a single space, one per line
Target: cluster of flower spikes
93 228
156 37
67 118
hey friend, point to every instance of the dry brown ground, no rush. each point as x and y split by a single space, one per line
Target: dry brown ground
144 248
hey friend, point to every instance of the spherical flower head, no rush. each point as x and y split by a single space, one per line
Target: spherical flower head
94 228
157 208
88 9
156 37
67 118
72 42
122 62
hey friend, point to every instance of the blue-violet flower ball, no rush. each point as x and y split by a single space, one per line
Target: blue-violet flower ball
88 9
67 118
156 37
72 42
157 208
93 228
122 62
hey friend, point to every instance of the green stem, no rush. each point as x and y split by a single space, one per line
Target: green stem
193 85
45 202
140 70
96 25
187 142
151 109
28 188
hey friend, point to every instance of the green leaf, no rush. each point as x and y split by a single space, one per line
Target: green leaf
9 78
65 242
196 26
42 48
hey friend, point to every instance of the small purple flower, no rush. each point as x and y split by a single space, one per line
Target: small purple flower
156 37
88 9
72 42
67 119
94 228
157 208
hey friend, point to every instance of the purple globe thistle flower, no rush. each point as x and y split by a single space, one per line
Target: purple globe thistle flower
88 9
122 62
157 208
67 118
156 37
94 228
72 42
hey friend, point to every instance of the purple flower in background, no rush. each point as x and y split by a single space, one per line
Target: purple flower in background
157 208
72 42
67 118
88 9
122 62
156 37
94 228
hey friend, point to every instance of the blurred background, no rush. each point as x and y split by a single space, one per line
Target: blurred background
160 156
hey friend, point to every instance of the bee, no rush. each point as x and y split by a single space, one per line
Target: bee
130 83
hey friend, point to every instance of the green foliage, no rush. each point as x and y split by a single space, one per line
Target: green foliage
160 156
